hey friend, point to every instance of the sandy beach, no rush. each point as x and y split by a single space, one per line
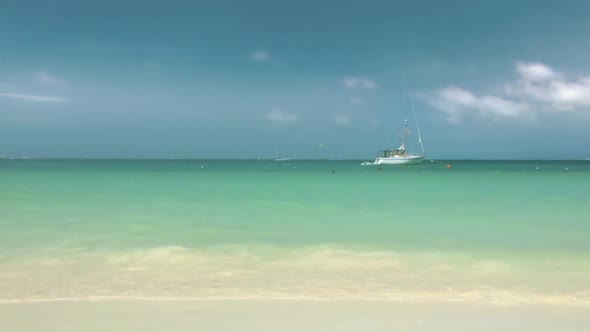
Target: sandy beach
285 315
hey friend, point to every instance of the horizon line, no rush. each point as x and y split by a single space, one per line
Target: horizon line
251 159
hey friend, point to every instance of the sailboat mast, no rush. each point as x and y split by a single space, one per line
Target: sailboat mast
417 126
404 131
415 117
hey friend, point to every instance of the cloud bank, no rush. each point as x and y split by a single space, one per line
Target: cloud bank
537 88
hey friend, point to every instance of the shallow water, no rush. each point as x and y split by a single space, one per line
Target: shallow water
500 232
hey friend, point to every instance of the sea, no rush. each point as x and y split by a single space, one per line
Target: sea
498 232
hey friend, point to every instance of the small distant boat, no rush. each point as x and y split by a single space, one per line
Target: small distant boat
279 158
399 156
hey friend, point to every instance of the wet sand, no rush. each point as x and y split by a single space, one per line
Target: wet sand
286 315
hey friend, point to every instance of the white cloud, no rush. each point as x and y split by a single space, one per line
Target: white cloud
341 119
550 89
537 89
496 106
535 71
457 103
280 116
46 78
34 98
260 56
361 83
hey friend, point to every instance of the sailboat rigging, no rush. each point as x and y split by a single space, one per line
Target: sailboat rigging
399 156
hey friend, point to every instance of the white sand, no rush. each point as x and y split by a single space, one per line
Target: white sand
285 315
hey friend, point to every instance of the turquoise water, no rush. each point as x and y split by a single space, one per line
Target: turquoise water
295 229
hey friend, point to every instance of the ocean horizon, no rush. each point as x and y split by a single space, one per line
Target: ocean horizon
426 160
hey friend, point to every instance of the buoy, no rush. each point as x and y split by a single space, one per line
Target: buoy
449 166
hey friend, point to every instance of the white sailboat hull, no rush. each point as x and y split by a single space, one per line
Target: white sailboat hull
397 160
399 156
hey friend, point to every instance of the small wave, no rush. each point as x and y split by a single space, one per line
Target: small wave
487 296
327 272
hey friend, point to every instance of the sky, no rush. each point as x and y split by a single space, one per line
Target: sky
301 79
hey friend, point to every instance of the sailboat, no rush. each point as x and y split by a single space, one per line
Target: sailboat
400 156
279 158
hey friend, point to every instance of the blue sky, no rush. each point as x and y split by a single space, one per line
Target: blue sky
306 79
